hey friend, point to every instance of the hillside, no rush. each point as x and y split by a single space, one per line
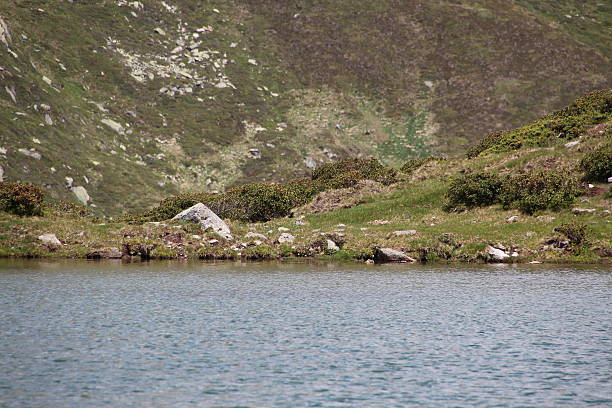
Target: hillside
530 194
139 100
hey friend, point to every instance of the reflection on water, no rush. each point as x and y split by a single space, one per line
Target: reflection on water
287 335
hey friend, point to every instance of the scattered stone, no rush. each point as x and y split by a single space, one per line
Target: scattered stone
256 153
5 34
545 218
514 254
609 179
213 241
49 239
283 229
256 235
514 218
114 126
48 119
1 173
12 93
30 153
496 254
407 232
572 144
69 181
45 107
331 245
285 238
47 80
378 222
535 262
206 218
310 163
81 194
198 237
159 31
391 255
580 211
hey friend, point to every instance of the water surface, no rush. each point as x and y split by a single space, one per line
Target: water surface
78 334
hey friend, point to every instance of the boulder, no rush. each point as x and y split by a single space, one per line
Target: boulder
81 194
331 245
49 239
496 254
206 218
285 238
391 255
114 125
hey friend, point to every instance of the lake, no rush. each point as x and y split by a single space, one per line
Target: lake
87 334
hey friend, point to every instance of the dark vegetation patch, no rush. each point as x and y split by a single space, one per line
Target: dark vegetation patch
473 190
413 165
564 124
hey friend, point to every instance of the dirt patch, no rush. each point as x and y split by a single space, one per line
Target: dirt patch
342 198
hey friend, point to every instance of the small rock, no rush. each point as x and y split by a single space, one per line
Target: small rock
407 232
213 241
206 218
609 179
114 126
159 31
69 181
572 144
310 163
30 153
514 254
580 211
283 229
256 235
369 261
196 237
497 254
514 218
545 218
391 255
49 239
285 238
48 119
535 262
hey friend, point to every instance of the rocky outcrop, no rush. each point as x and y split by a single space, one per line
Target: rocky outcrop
206 218
385 255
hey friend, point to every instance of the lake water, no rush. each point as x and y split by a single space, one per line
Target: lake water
76 334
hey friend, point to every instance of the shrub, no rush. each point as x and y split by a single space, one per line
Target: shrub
597 164
540 190
413 165
21 198
257 202
370 169
473 190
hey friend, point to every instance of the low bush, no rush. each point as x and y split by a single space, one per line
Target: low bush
473 190
576 233
597 164
540 190
413 165
23 199
367 169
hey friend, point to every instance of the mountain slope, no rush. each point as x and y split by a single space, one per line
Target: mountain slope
139 100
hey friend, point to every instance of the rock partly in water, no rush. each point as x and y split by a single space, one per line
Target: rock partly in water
285 238
49 239
391 255
496 254
206 218
81 194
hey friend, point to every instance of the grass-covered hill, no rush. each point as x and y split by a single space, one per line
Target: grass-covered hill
135 101
538 193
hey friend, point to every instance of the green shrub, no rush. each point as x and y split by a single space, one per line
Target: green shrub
567 123
473 190
540 190
597 164
21 198
369 169
413 165
257 202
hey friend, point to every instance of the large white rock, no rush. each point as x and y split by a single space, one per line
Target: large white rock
497 254
81 194
49 239
206 218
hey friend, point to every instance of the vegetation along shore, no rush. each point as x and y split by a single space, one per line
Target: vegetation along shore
538 193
